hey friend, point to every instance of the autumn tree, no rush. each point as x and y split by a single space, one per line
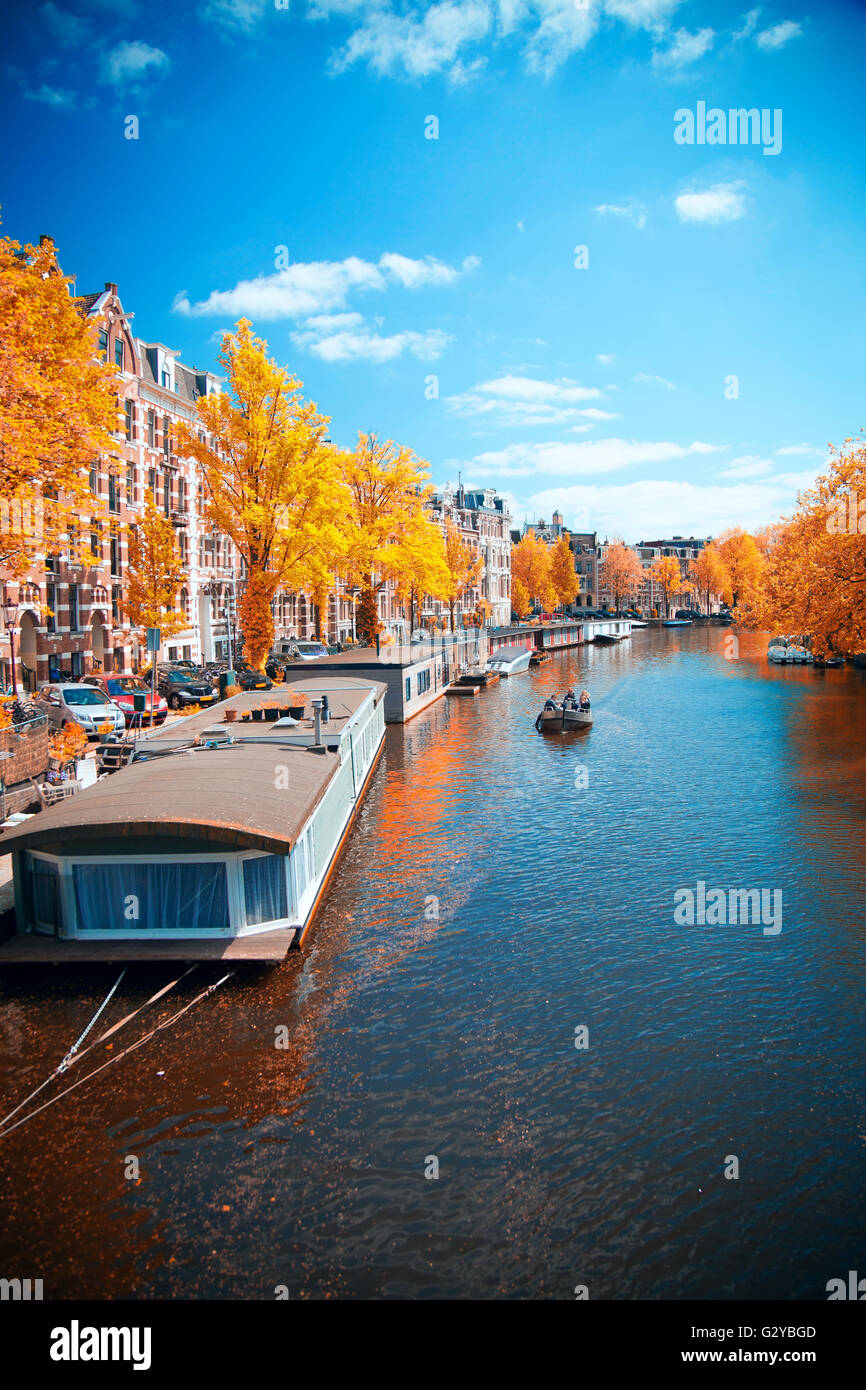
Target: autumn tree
425 572
530 566
388 534
709 575
814 579
665 570
154 574
563 575
620 572
270 481
58 404
744 565
464 568
521 603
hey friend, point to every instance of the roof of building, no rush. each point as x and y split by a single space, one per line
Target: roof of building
229 795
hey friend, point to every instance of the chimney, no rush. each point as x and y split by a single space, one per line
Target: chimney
45 239
109 285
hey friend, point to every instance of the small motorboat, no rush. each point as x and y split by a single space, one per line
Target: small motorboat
539 658
777 651
636 623
677 622
561 720
507 661
605 639
478 677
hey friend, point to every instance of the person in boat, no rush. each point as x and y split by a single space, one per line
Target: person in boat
550 703
584 699
569 701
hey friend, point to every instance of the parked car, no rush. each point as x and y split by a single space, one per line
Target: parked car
121 687
79 704
181 686
247 678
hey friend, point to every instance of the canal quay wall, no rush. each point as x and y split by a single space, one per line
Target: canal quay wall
416 674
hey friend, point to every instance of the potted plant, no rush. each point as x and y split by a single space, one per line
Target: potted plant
271 710
257 714
231 715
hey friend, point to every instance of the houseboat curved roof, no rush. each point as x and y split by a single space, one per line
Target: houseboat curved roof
232 796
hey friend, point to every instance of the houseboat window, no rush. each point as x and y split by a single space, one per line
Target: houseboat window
151 897
408 687
265 889
42 893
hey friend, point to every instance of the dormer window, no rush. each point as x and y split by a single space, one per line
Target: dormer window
166 379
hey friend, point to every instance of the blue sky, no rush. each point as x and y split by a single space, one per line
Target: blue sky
605 388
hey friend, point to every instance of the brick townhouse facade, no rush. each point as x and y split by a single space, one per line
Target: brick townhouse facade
71 616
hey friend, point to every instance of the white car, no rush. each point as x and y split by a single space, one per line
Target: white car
80 704
309 651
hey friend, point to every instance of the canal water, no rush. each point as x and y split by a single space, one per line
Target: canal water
501 893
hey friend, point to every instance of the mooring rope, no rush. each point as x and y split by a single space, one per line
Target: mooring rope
133 1047
71 1058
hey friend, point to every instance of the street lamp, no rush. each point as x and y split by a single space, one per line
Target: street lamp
10 617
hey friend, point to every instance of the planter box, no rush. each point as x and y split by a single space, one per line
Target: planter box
28 744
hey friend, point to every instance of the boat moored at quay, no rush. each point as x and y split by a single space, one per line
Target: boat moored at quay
216 842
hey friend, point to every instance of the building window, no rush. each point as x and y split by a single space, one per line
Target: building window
113 504
130 419
166 380
115 556
151 429
93 480
181 494
96 543
166 436
130 482
103 341
151 482
73 607
166 494
51 601
115 603
118 353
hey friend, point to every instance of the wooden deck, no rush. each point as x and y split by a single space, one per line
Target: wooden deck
29 949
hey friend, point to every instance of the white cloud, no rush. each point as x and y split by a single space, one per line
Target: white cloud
235 14
605 358
58 97
632 212
658 380
526 401
415 44
346 338
797 449
724 202
584 457
650 507
685 48
779 34
520 226
315 287
749 23
128 63
748 466
67 29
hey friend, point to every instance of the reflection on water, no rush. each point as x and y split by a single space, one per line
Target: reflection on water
488 904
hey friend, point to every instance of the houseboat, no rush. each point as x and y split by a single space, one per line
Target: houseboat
217 840
509 660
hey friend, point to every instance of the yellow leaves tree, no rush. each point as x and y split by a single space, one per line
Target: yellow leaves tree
814 580
464 568
521 603
425 571
57 404
666 572
270 481
620 572
530 566
744 565
154 574
709 575
563 575
388 535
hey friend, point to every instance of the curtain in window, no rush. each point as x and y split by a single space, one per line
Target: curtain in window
265 889
151 897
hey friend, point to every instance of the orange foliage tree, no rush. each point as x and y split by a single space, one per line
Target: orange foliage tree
530 566
620 572
521 603
814 579
58 404
744 566
709 575
269 479
563 575
666 572
154 574
464 568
